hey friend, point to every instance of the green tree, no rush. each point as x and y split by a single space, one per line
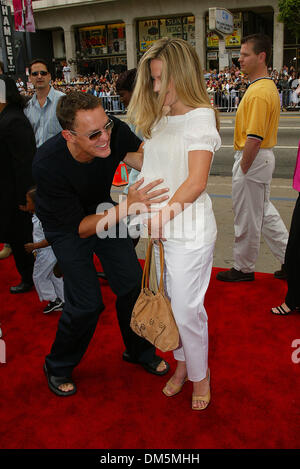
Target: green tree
289 14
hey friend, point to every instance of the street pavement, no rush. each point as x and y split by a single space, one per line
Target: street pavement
285 150
283 197
219 186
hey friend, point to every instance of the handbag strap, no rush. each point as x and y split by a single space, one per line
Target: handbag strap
146 271
162 262
145 278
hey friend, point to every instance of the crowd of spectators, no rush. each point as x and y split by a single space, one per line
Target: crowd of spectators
225 88
103 86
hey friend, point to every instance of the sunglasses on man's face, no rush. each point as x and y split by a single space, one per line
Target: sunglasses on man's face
95 135
43 73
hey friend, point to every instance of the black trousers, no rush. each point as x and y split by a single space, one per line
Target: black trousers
292 260
20 233
83 299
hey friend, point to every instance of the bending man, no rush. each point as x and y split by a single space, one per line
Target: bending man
74 172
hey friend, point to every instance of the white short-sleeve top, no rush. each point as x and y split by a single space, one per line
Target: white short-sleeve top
166 156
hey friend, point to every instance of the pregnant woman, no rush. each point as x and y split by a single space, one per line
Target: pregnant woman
171 108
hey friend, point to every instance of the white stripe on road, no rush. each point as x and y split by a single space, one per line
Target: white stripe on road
230 185
281 147
279 128
282 199
286 147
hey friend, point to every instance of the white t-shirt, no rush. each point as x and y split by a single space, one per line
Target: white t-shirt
166 156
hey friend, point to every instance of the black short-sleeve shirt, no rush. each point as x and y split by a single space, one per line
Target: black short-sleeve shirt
68 190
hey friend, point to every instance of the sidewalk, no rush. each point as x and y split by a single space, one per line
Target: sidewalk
283 197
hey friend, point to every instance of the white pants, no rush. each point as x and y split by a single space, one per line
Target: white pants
46 284
254 213
67 77
186 279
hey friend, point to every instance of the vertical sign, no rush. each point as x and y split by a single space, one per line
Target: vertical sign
29 19
18 14
7 34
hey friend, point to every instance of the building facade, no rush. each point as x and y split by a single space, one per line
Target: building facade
93 36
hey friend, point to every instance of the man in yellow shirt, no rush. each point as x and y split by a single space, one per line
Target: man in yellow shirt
255 135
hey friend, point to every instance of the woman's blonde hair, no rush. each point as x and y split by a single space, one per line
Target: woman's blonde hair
180 63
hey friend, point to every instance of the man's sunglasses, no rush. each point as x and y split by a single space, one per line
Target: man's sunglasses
95 135
43 73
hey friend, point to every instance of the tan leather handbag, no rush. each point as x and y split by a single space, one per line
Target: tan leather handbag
152 316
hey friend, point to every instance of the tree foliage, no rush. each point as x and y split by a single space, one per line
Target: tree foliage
289 14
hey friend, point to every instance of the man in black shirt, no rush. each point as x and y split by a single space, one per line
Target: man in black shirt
74 172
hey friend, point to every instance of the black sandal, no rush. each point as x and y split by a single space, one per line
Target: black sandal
151 366
55 381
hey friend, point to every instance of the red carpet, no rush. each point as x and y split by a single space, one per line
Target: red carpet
254 382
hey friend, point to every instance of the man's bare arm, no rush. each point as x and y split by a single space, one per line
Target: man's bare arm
250 151
138 200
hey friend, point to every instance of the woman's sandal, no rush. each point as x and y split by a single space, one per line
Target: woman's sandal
176 388
280 311
205 398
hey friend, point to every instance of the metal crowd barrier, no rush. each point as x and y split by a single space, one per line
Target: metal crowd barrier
224 101
289 100
229 101
113 104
